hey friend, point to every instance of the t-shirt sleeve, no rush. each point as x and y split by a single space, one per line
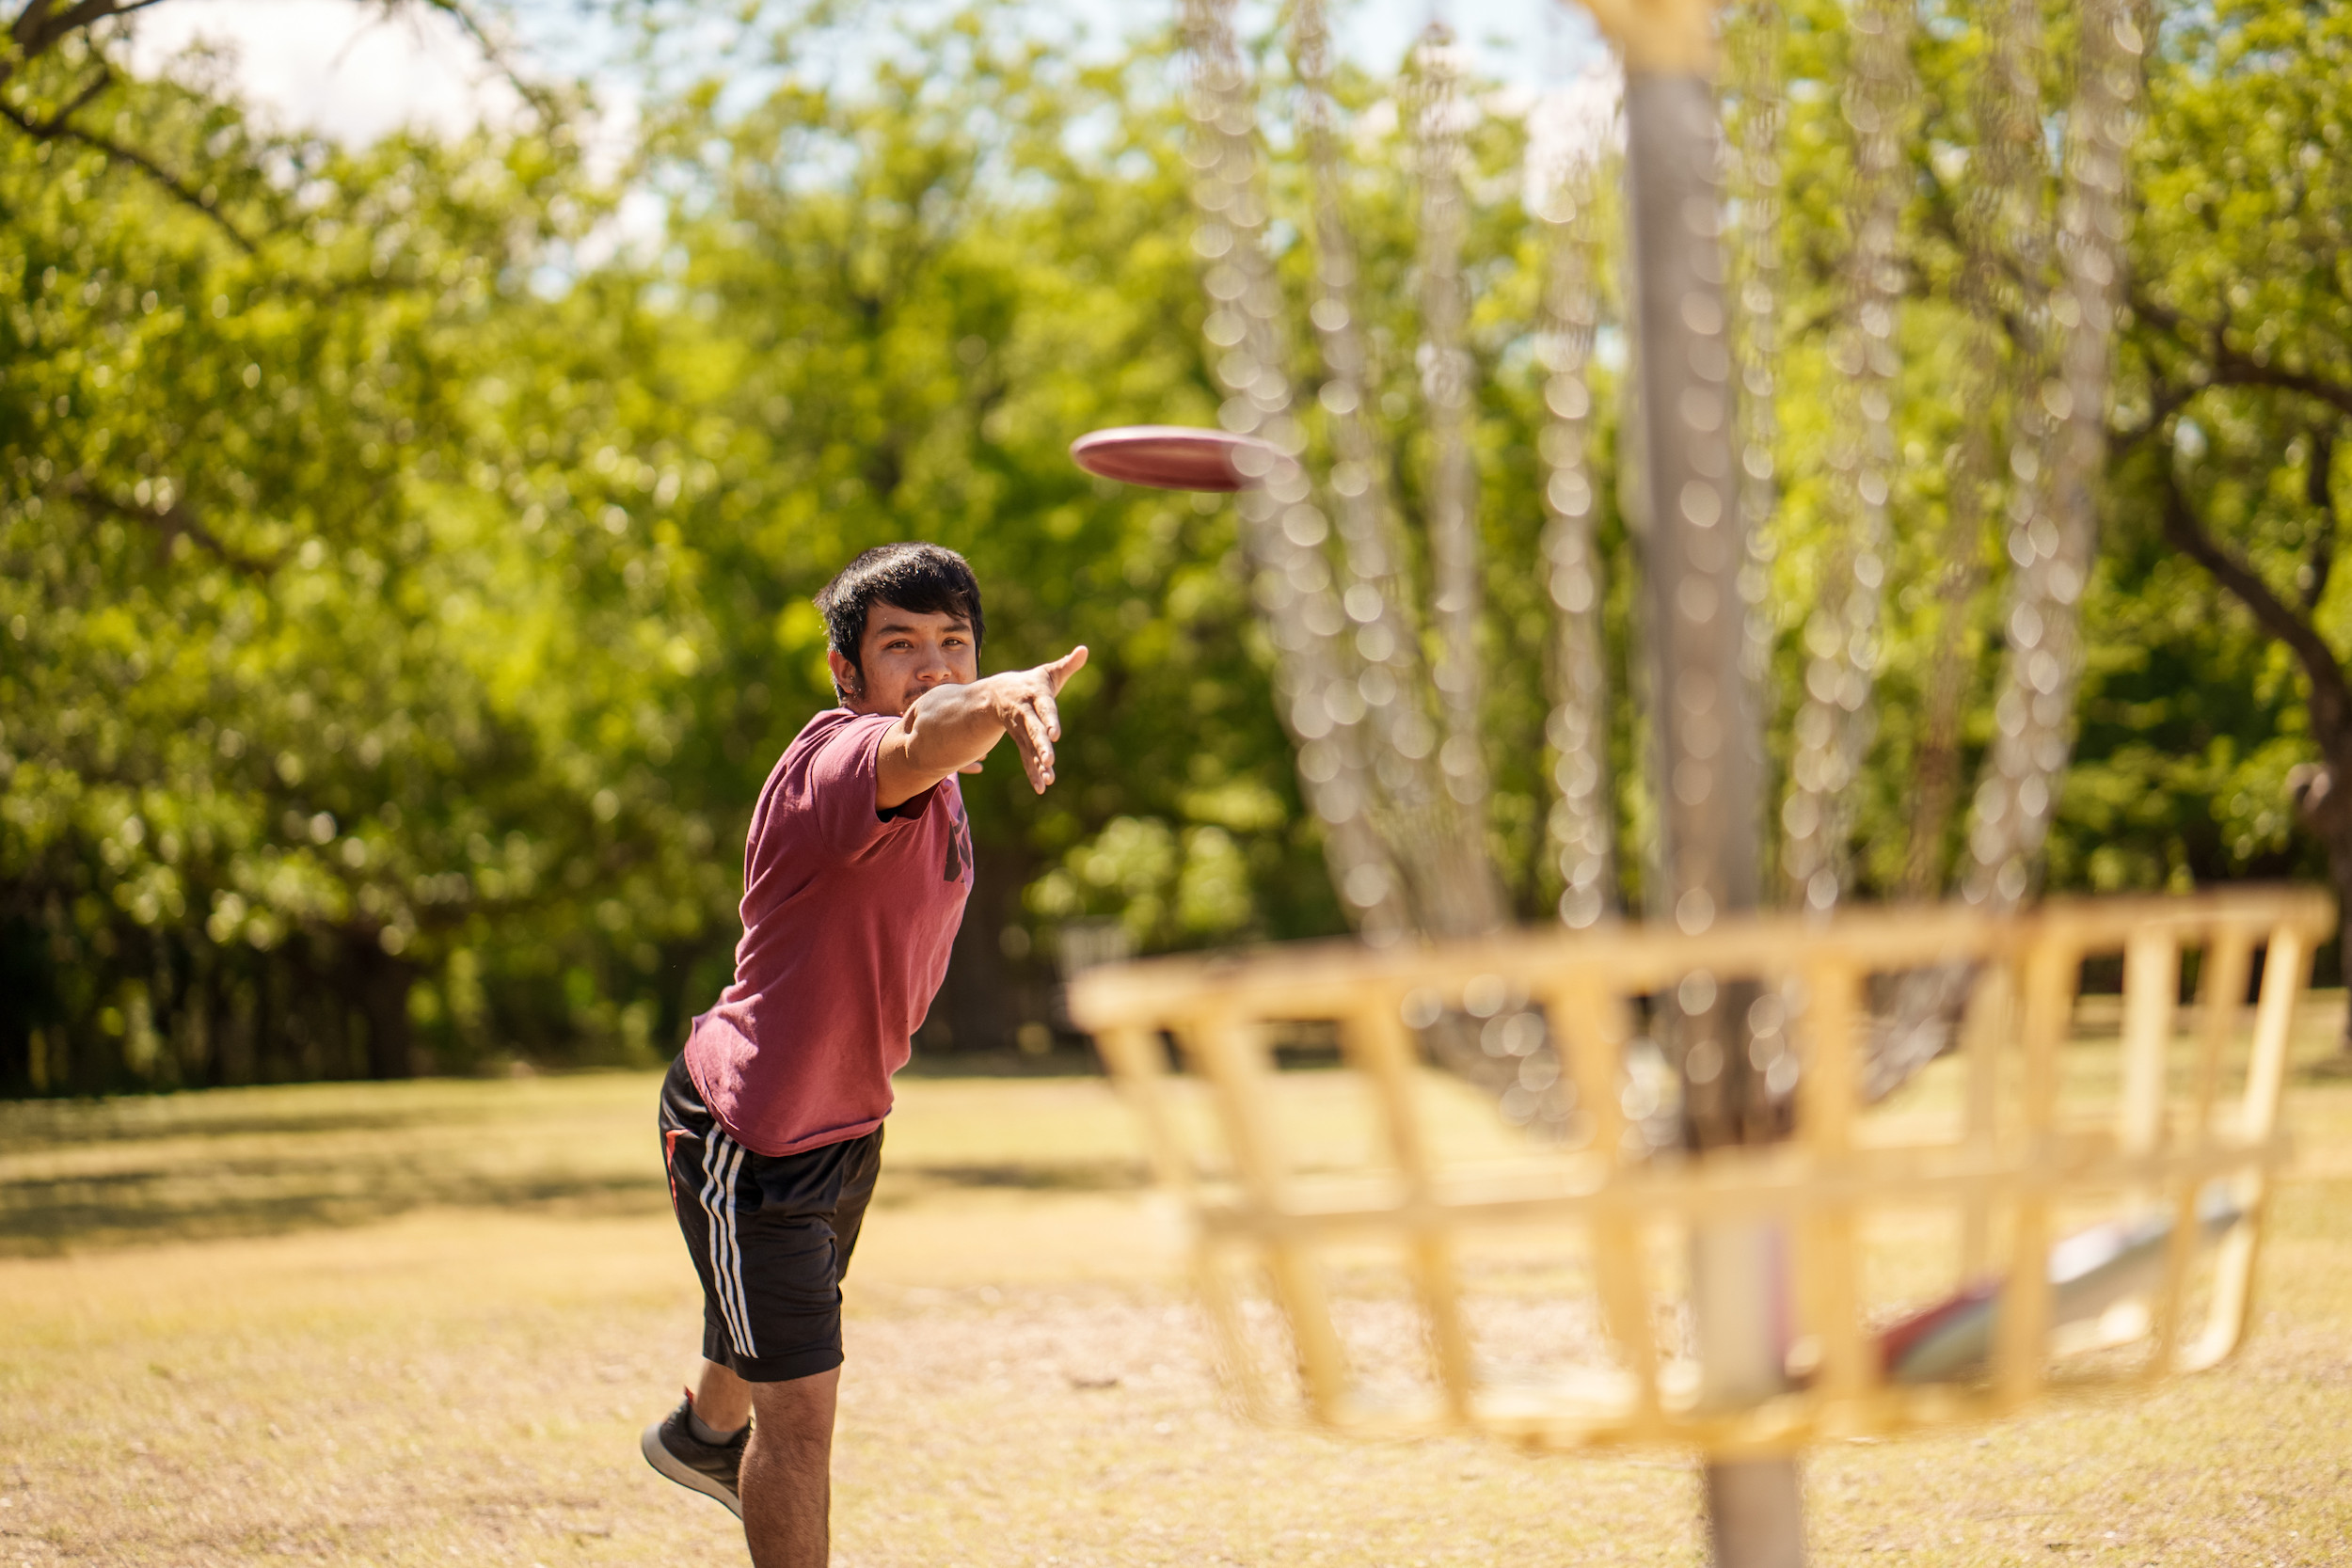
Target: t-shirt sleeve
841 786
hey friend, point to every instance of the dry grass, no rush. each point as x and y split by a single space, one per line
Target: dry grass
423 1323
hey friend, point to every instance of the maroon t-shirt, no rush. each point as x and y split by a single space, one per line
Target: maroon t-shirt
848 917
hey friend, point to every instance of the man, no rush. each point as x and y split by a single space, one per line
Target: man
854 880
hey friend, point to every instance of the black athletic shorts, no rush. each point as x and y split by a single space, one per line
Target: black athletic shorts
771 1237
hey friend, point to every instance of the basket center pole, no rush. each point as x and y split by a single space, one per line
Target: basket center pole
1708 739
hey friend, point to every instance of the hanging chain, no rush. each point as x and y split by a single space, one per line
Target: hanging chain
1580 826
1758 61
2057 447
1436 837
1445 378
1451 887
1757 40
1843 638
1282 531
2000 224
2052 546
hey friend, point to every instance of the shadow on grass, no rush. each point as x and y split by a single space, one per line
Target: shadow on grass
49 1216
907 1183
73 1125
79 1176
200 1195
361 1109
1063 1061
2334 1067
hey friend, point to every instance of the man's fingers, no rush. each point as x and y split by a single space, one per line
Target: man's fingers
1029 721
1024 732
1029 738
1040 742
1033 721
969 768
1066 666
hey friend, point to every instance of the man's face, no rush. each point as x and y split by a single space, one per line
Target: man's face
906 652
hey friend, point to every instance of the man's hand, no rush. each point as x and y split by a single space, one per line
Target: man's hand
1023 701
949 729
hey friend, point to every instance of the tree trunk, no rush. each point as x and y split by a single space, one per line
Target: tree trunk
383 1000
2321 792
2339 873
2326 808
2339 840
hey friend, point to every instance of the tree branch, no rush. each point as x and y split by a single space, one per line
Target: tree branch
2233 369
172 521
56 124
38 28
27 19
471 23
2316 490
2230 367
2330 695
2162 402
57 129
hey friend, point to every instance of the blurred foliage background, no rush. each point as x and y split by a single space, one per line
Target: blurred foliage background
403 587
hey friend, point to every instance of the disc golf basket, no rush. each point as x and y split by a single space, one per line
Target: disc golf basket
1380 1256
1717 1177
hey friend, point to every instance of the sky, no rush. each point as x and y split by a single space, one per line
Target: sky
351 71
357 71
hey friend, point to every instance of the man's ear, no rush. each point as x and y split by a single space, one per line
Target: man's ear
845 677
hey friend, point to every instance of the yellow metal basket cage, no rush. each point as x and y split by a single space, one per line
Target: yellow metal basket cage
1381 1254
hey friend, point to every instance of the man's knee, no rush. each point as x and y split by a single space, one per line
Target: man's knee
798 1413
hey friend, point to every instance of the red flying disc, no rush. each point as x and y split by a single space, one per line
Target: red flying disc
1175 457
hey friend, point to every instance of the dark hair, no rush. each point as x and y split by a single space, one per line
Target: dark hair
924 579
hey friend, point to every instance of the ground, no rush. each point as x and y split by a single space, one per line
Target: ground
423 1323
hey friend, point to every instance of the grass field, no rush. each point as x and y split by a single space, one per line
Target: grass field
423 1323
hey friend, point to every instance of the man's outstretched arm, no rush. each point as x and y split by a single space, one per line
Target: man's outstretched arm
950 728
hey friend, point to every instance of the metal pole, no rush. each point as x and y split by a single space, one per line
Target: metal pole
1754 1515
1709 740
1710 752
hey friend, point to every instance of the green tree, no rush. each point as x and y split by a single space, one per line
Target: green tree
2241 344
248 751
398 616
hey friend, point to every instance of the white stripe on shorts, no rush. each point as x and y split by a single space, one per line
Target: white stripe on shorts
723 1157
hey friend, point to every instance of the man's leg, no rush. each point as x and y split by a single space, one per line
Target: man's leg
723 1400
771 1237
700 1444
787 1471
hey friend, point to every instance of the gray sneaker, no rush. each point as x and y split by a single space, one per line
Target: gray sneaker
711 1468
